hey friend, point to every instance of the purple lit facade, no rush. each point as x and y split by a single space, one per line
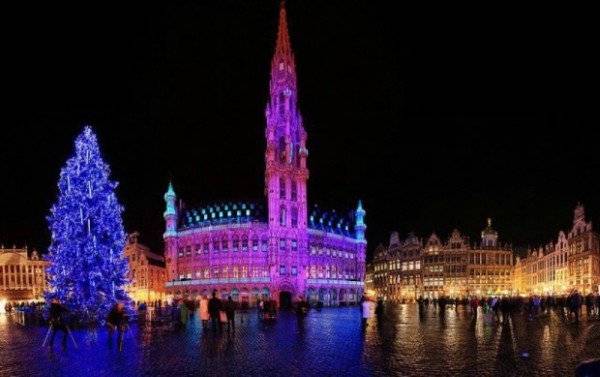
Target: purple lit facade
280 249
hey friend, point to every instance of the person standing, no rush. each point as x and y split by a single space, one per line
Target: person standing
204 315
575 304
367 311
589 304
117 320
57 321
184 313
214 307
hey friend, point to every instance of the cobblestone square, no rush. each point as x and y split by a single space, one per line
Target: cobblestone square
330 342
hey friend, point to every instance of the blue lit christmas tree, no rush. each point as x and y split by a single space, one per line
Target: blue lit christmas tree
87 272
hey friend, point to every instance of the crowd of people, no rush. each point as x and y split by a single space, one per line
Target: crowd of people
501 308
569 308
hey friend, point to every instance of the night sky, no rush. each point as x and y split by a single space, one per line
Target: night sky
436 118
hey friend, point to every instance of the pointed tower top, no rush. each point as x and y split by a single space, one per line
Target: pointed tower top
360 206
283 47
170 194
170 190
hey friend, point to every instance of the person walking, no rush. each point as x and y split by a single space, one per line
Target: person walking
214 307
204 314
230 307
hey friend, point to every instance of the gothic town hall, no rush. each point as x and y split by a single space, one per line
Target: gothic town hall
279 248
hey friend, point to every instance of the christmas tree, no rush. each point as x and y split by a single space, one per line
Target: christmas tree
87 271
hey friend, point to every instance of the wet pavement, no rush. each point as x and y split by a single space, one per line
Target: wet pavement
330 342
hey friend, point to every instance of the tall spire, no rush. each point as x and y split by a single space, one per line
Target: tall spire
283 48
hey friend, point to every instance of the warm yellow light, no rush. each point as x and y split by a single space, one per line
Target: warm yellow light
2 305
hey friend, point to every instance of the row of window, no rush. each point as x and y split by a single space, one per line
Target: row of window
487 258
224 246
228 272
236 245
315 250
477 272
331 272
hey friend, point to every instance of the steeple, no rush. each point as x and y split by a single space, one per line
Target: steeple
283 47
360 225
285 156
170 214
284 123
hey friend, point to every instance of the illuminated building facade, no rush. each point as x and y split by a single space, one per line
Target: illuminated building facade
22 275
279 249
147 272
410 269
573 262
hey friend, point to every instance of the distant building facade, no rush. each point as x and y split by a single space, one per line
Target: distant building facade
409 269
147 272
278 248
22 275
572 262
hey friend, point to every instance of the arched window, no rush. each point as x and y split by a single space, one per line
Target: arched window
281 103
244 243
281 150
282 216
282 188
294 193
236 243
224 243
294 217
264 244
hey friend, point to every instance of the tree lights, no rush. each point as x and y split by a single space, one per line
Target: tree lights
87 269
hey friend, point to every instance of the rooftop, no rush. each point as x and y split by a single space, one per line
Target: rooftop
222 213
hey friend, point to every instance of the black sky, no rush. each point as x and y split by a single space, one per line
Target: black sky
436 118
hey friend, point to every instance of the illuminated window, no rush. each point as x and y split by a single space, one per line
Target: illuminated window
282 270
294 217
281 149
282 216
281 188
294 270
265 244
255 244
236 243
294 193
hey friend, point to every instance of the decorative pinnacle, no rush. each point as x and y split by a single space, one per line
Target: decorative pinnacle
170 194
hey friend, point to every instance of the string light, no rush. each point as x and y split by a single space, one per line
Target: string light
85 272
